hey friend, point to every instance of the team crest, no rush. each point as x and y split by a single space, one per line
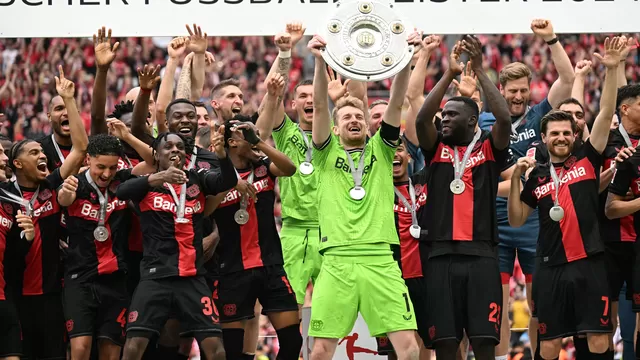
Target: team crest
531 153
45 195
568 164
229 309
8 208
93 196
542 180
193 190
204 165
261 171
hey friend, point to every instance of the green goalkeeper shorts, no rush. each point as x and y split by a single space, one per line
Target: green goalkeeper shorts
371 285
302 259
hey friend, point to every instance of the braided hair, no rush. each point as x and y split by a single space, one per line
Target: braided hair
162 137
122 109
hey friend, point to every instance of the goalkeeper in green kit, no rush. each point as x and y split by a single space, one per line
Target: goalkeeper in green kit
357 226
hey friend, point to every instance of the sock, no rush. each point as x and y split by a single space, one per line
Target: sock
582 348
233 340
290 341
501 357
246 356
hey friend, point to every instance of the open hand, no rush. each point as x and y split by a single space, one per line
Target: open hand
104 52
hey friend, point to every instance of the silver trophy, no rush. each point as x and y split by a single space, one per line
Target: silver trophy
367 40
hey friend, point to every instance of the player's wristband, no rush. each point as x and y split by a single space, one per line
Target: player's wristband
284 54
552 41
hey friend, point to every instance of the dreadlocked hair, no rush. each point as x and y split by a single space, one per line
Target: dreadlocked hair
103 144
122 109
15 151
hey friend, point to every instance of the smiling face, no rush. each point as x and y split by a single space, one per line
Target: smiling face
203 116
31 162
228 102
103 168
170 152
183 119
350 125
517 94
401 163
241 147
303 103
559 138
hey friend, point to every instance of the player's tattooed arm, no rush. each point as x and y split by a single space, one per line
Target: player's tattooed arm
79 139
321 120
501 130
518 210
183 90
67 193
611 60
148 76
176 48
425 126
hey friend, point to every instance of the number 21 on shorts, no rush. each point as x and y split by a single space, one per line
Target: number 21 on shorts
495 313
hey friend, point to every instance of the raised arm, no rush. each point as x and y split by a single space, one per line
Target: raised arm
79 139
415 92
67 193
425 127
149 77
225 178
270 113
519 211
118 129
321 119
104 56
611 60
583 68
198 45
183 90
501 130
622 69
561 88
281 165
175 49
393 113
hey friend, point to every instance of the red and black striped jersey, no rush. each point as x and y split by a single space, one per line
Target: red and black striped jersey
42 270
410 257
87 257
576 235
174 248
256 243
465 223
49 149
621 229
12 252
627 177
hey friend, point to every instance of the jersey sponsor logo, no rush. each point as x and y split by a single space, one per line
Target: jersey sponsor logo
93 211
525 135
299 144
572 175
163 204
122 164
343 163
46 207
262 185
6 223
474 160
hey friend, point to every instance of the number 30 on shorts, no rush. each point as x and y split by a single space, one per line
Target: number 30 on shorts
209 308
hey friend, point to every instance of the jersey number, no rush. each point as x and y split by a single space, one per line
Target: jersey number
494 314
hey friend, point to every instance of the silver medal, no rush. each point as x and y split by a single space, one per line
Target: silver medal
101 233
415 230
306 168
457 186
241 217
357 193
556 213
182 220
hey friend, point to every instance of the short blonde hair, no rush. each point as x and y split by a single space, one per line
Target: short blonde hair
514 71
344 102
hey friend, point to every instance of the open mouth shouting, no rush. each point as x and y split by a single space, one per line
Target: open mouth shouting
185 130
354 129
308 110
42 166
236 110
64 125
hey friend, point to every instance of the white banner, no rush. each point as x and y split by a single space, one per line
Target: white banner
358 345
81 18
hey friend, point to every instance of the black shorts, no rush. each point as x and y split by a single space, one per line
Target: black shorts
574 298
633 288
133 259
238 292
188 298
10 336
418 294
620 258
464 294
97 307
43 328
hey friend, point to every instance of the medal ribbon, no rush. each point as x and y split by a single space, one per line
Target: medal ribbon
179 201
57 148
515 124
28 205
556 179
243 199
103 198
625 135
307 144
356 173
405 202
458 166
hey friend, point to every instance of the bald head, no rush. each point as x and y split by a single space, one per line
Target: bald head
132 95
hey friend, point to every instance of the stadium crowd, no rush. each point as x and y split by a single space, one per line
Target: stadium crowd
36 72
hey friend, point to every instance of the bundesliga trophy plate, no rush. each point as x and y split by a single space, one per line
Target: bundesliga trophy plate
367 40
